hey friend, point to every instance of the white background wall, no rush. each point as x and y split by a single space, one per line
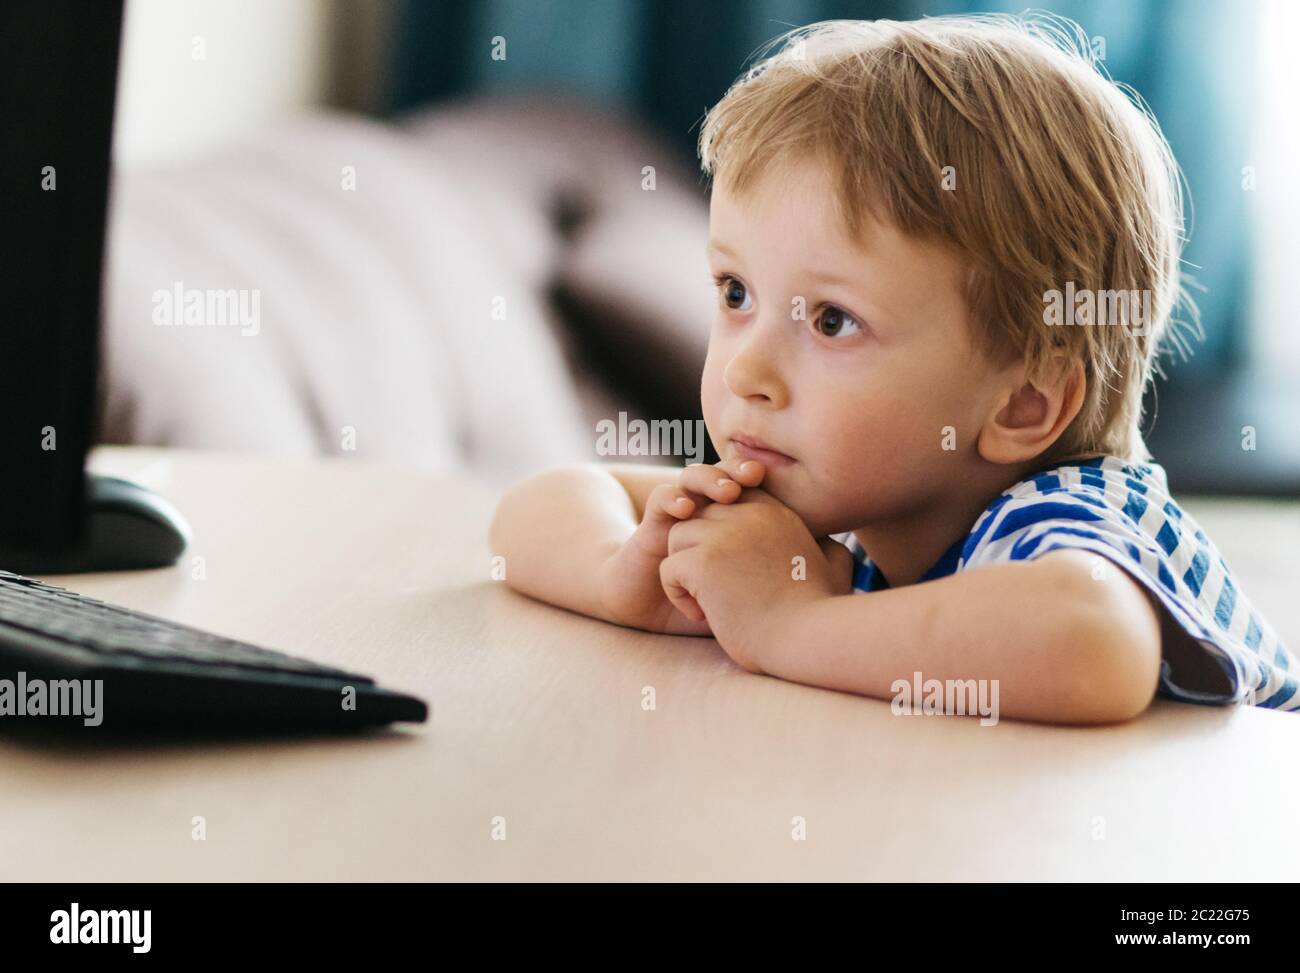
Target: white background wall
197 74
1277 196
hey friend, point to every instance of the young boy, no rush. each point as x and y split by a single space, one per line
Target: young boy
946 253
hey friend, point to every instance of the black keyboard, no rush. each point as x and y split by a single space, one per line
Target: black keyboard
159 673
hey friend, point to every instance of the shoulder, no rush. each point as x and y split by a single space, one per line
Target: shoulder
1106 514
1102 500
1110 508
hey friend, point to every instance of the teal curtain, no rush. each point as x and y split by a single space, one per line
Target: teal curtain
666 61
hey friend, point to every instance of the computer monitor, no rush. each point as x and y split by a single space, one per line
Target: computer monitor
58 80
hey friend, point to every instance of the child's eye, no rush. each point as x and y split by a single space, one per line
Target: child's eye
734 293
835 322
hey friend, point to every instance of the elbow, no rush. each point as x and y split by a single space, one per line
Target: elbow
498 529
524 519
510 520
1110 691
512 511
1111 651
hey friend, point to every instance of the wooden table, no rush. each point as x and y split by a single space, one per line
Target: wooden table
539 724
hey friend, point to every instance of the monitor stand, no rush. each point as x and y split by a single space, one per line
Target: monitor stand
128 527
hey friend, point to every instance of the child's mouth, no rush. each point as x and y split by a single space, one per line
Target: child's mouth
751 448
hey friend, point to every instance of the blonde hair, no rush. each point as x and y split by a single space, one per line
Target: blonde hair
1062 179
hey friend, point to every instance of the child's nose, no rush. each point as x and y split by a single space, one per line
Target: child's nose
755 371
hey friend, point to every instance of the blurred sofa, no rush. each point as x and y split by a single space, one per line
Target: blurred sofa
470 287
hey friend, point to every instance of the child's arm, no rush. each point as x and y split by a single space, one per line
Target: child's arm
591 538
1064 646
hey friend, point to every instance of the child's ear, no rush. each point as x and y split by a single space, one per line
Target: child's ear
1028 417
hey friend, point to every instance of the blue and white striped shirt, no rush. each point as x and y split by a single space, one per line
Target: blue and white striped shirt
1123 512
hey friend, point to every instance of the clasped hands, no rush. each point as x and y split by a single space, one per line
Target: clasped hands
717 554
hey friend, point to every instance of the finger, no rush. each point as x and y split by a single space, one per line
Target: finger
673 575
746 472
747 495
709 481
686 534
668 504
758 495
665 506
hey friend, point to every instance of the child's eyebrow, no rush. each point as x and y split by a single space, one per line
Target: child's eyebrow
822 277
818 276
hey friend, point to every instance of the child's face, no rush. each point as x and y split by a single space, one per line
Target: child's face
860 391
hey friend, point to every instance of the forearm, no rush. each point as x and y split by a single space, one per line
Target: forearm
1057 649
556 529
